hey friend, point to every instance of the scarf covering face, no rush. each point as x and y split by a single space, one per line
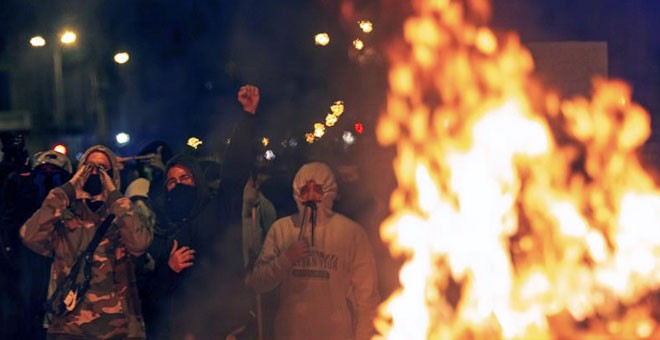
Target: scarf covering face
180 202
114 164
321 174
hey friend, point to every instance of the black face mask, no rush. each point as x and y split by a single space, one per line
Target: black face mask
180 201
93 186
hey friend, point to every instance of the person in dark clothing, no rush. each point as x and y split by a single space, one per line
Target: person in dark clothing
23 194
14 160
197 285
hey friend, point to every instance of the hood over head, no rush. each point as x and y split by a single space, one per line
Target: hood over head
321 174
111 156
191 163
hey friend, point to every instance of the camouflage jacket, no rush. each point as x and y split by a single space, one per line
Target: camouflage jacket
111 307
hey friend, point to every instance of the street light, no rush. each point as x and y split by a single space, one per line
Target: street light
67 37
37 41
121 57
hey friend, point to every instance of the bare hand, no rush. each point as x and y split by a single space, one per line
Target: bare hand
297 251
248 96
80 177
108 182
180 258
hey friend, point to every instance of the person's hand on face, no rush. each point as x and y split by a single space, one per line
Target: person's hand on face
80 177
98 164
108 183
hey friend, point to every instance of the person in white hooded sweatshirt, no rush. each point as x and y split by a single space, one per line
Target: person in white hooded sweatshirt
322 263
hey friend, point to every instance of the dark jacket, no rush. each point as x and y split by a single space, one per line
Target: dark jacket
208 299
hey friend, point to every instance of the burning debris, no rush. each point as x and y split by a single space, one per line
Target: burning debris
522 214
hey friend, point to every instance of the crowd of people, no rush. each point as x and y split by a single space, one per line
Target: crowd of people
188 250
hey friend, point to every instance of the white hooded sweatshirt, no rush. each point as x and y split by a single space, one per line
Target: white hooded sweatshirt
332 293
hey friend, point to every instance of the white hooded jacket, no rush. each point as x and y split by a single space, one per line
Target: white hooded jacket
338 280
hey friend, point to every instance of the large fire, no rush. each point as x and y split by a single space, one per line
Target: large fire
522 214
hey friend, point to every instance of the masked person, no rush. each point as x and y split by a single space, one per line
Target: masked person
63 227
23 194
197 286
322 263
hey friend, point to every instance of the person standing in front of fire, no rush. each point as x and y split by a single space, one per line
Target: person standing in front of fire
323 264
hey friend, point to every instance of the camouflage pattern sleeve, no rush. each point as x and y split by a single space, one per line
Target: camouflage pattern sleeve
135 234
38 231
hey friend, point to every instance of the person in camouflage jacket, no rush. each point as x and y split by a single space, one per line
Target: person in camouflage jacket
62 229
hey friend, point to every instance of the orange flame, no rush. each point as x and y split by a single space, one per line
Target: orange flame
520 214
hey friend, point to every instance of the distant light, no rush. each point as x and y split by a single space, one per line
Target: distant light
366 26
358 44
293 142
68 37
322 39
38 41
348 137
337 108
269 155
265 141
309 137
319 130
61 148
330 119
123 138
79 155
121 57
195 142
359 128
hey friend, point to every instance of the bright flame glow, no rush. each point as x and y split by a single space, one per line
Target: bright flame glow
121 57
521 216
322 39
309 138
37 41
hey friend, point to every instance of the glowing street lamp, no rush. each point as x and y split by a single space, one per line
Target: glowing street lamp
121 57
122 138
68 37
37 41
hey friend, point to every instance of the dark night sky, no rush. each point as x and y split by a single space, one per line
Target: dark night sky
188 58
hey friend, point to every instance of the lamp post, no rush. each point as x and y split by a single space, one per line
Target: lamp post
67 38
